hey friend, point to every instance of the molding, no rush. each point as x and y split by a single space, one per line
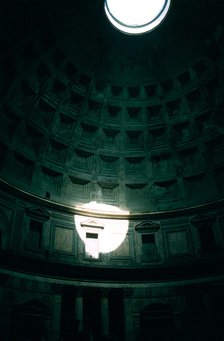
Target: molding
147 227
194 270
38 213
57 206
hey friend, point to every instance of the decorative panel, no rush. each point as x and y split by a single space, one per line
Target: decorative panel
108 165
65 126
57 152
124 251
31 139
82 161
135 167
134 139
89 134
20 167
79 189
166 191
110 140
177 243
161 165
110 193
63 239
43 113
136 195
51 180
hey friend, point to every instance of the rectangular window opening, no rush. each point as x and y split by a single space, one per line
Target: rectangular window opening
148 238
35 234
91 235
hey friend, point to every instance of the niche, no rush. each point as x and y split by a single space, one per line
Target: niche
204 225
156 323
34 239
148 231
30 321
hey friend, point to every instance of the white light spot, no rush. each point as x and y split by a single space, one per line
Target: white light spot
98 234
136 16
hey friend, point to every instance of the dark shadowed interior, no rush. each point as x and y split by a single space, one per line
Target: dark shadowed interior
111 174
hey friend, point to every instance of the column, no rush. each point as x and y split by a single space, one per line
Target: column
209 313
128 312
56 316
79 309
178 324
105 313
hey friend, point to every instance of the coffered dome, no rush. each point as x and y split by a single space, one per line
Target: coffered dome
90 114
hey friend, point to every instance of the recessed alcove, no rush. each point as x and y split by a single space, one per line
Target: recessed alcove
134 114
154 113
23 169
109 192
138 192
113 111
161 165
10 120
158 138
182 132
57 152
151 90
135 167
168 86
58 87
196 99
134 92
205 124
166 190
177 109
81 161
108 165
116 90
111 138
43 113
65 126
31 139
134 139
52 180
93 110
76 99
80 186
89 134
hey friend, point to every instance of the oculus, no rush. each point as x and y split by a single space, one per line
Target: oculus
136 16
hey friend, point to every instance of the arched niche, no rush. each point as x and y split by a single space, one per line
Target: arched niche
30 321
157 323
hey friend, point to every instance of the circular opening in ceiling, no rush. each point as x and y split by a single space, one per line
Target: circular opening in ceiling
136 16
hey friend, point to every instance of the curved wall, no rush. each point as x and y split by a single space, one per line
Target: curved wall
152 147
41 237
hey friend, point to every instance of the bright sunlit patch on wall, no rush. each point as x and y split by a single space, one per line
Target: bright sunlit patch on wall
136 16
101 235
